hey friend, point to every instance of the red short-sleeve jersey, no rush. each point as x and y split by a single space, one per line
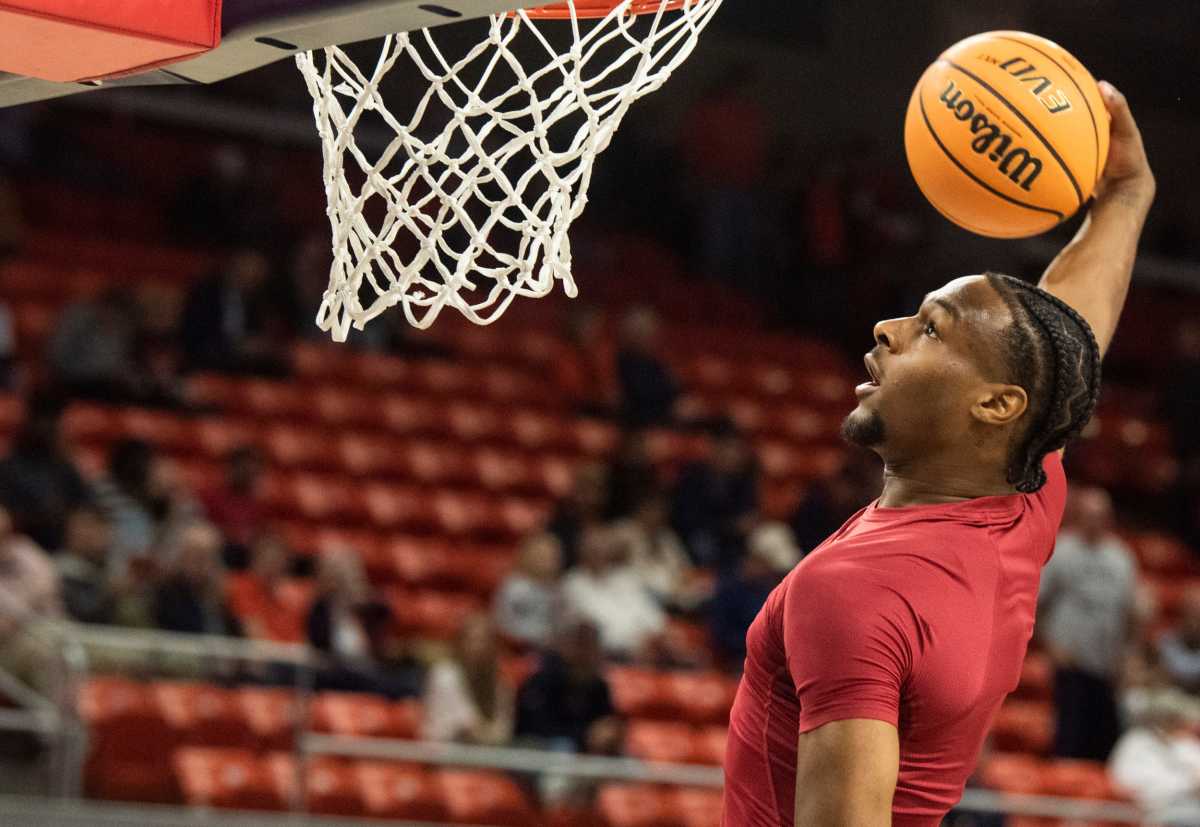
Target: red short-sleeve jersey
917 616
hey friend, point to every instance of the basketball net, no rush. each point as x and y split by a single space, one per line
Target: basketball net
469 203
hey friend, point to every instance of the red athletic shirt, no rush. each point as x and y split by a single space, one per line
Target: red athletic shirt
917 616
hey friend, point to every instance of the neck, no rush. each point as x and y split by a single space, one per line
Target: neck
936 481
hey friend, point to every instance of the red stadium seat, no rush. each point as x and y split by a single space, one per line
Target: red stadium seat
269 716
400 791
436 463
515 518
640 693
1077 779
1162 554
125 722
331 785
394 506
367 455
472 422
201 714
342 406
432 614
1024 726
636 805
666 741
374 370
216 438
401 414
477 797
443 378
290 447
1013 773
697 807
229 778
701 697
318 361
710 745
361 715
1037 678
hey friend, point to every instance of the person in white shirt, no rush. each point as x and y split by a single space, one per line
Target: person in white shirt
1157 761
657 555
606 591
466 697
527 603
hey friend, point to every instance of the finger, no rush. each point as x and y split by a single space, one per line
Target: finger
1118 107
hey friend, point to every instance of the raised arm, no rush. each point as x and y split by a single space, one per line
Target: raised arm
1092 272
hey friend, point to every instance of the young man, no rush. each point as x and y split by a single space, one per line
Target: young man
874 670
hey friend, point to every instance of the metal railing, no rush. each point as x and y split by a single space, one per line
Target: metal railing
76 641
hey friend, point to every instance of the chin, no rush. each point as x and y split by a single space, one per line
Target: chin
864 428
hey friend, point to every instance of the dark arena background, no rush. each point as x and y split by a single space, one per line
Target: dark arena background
502 575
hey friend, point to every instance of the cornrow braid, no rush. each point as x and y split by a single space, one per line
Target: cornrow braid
1053 354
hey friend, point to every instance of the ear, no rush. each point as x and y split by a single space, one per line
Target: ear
1000 404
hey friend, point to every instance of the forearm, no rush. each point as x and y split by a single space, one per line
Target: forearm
1092 273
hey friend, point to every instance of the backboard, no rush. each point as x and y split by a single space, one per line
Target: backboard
86 46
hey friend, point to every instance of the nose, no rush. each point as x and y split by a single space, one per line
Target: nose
885 333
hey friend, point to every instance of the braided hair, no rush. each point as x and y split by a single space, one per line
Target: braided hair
1052 353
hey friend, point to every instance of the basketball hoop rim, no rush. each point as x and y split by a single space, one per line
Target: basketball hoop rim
596 9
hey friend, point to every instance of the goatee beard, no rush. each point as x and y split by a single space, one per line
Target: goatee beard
864 429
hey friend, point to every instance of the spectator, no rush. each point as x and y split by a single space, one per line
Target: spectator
584 370
583 507
648 388
236 507
191 598
227 323
262 597
566 703
605 590
1157 761
348 623
29 594
657 556
88 590
527 602
146 503
715 502
631 476
39 483
92 353
466 697
222 205
1179 647
772 553
829 502
1087 613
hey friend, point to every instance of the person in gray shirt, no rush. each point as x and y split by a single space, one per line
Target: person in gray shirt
1086 621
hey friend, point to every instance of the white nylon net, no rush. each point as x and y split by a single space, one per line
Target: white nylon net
466 201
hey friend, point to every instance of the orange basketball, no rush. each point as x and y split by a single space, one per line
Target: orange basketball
1006 134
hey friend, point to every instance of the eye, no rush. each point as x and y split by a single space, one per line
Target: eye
931 329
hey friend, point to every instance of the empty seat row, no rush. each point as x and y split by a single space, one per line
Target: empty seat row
244 780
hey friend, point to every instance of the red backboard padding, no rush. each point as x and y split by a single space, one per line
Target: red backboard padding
73 40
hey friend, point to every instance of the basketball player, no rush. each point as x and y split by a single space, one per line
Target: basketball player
875 669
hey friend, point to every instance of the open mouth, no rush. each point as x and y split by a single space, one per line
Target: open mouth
872 370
